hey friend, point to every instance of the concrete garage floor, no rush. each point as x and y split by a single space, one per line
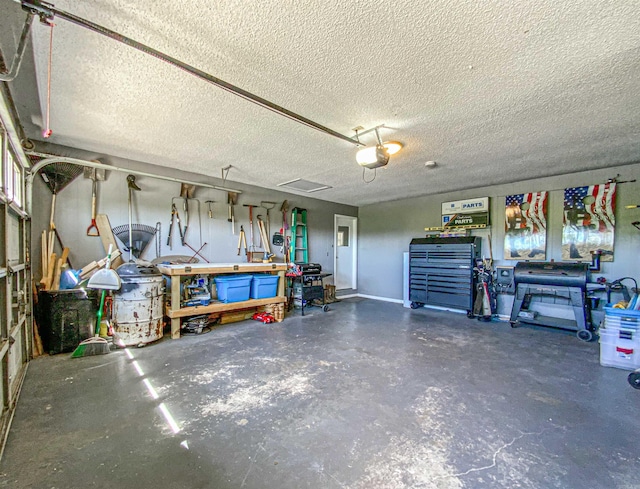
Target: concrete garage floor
368 395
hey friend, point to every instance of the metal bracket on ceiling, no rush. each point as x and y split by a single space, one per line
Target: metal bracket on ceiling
17 58
225 173
44 12
359 132
616 179
41 9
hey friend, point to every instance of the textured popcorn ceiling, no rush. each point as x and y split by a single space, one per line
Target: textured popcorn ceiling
494 91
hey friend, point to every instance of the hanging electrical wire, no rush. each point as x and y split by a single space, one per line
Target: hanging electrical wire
47 130
374 175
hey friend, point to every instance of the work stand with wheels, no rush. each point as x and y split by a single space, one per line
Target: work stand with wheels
558 283
308 288
572 296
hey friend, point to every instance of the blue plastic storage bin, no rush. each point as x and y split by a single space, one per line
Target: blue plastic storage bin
264 286
233 288
621 318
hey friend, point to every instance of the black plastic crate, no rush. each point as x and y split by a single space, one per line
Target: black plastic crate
65 318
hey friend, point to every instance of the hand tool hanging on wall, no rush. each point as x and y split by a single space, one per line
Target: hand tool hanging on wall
135 237
57 176
268 206
186 192
284 208
131 186
174 216
259 219
252 245
279 237
92 230
265 239
242 241
186 203
232 199
196 252
209 210
199 219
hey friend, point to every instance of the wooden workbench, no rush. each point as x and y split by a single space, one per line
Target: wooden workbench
177 272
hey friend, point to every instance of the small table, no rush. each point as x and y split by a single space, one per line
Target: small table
309 291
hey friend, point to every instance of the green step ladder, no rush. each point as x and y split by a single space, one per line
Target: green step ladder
299 252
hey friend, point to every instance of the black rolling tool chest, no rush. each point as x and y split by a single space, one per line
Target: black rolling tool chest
441 271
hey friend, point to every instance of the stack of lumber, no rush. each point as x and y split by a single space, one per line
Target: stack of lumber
91 268
53 266
38 349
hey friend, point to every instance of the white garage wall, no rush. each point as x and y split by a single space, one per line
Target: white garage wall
385 230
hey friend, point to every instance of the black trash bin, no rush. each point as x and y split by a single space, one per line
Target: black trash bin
65 318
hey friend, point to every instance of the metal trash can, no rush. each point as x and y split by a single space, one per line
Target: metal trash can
138 305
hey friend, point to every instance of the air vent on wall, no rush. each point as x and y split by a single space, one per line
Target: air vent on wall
304 185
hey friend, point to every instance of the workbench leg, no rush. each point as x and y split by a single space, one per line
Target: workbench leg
281 284
175 328
175 306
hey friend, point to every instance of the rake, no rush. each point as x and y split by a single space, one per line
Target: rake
58 175
141 236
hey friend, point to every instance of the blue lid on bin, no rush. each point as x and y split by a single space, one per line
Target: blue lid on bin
233 277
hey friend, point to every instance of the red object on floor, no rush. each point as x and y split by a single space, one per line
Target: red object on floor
265 317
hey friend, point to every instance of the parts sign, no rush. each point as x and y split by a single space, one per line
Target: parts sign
469 206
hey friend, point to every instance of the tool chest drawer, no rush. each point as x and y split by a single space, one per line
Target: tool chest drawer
439 255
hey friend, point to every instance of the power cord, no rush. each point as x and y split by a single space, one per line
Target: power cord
374 175
619 282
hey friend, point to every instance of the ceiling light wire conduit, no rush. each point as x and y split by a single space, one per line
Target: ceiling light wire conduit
48 10
49 159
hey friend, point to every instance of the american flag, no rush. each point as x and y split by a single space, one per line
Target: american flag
591 206
535 217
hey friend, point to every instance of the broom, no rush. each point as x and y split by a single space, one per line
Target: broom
104 279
